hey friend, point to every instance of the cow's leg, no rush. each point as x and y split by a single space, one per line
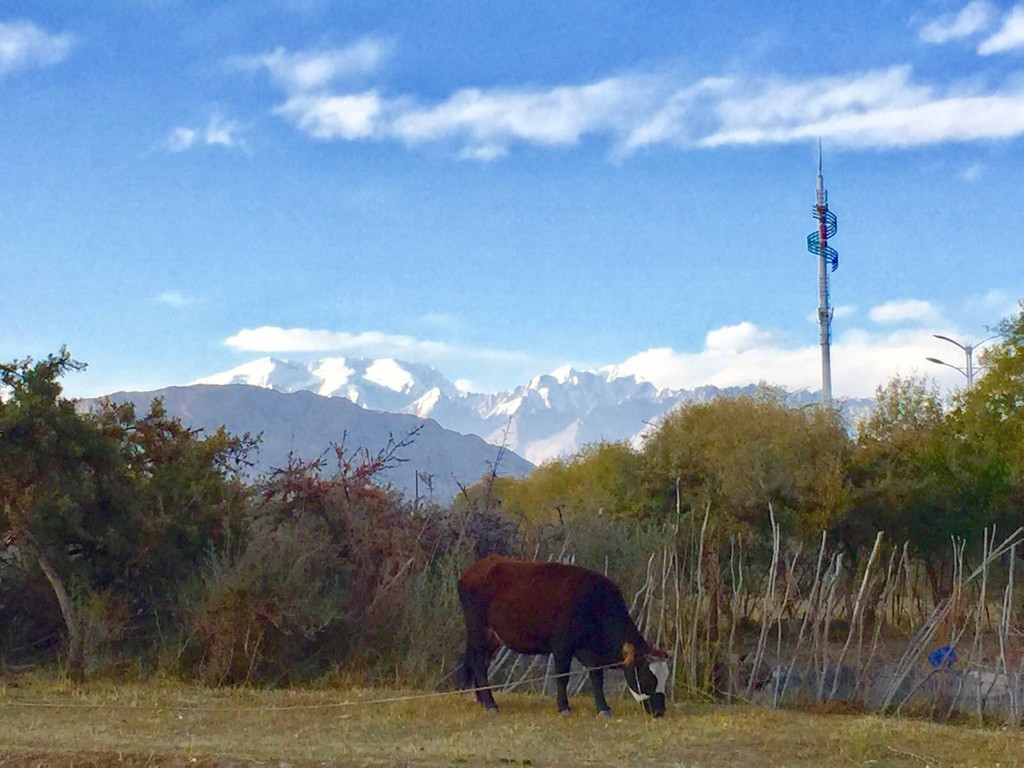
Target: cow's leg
478 647
563 663
478 659
597 683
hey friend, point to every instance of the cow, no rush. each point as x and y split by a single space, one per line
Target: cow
563 610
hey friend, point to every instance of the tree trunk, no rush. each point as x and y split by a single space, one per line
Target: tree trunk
76 642
936 580
713 583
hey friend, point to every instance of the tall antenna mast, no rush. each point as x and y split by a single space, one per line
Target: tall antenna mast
828 261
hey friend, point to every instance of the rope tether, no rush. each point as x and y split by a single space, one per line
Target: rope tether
286 707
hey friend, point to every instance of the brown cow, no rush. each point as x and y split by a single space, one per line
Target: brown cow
563 610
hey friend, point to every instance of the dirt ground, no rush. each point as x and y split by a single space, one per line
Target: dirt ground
167 724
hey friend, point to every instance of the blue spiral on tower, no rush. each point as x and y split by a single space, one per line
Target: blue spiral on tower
828 226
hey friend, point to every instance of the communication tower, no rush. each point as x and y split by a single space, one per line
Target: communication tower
828 261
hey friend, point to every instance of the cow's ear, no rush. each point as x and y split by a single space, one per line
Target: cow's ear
628 654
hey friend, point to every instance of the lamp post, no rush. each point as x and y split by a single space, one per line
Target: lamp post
968 350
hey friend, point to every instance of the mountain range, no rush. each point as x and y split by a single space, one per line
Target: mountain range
550 416
305 425
302 408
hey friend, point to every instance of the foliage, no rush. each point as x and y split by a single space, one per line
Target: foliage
739 455
110 505
901 471
325 555
603 478
991 415
61 489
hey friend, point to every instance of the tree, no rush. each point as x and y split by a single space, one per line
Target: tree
740 454
737 459
189 491
918 478
59 494
989 423
112 503
601 479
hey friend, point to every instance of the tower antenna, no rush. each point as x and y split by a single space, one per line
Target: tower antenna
828 261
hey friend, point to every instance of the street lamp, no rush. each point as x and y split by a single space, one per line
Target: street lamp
968 349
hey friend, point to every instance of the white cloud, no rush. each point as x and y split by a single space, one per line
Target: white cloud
483 122
885 108
175 299
219 132
487 121
305 71
972 18
484 153
736 338
861 361
465 385
973 172
903 310
354 116
181 138
24 45
674 119
367 343
1009 37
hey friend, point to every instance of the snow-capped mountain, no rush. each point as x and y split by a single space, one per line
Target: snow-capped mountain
437 463
381 385
552 415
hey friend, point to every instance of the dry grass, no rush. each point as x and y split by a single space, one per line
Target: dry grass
167 724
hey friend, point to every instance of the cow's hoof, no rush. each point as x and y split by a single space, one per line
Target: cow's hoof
604 712
567 711
493 708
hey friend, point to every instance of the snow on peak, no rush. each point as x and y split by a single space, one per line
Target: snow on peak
390 375
623 371
426 403
267 372
563 374
383 384
333 373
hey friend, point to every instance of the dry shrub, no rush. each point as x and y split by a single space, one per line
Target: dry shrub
317 585
105 623
267 618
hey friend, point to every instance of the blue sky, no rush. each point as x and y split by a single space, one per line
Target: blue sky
500 188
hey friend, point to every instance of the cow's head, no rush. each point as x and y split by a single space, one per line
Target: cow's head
646 677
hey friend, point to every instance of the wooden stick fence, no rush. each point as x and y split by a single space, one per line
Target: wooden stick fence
819 628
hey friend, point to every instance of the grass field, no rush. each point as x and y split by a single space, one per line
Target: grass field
167 724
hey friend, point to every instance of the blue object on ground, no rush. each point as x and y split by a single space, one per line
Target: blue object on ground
942 657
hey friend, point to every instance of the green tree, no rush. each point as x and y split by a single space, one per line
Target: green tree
60 486
737 455
988 421
189 493
601 479
919 479
738 459
110 504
